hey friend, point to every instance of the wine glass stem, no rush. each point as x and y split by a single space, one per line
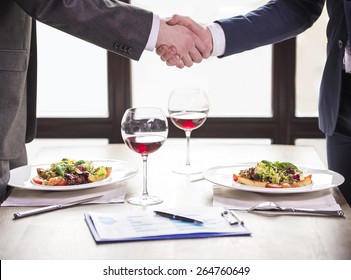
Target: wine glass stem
145 193
187 135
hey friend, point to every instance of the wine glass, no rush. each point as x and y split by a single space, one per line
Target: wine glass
144 130
188 109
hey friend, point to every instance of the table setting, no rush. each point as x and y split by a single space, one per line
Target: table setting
148 188
26 192
114 193
316 202
314 198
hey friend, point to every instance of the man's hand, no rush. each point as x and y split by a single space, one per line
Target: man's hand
201 31
189 46
204 47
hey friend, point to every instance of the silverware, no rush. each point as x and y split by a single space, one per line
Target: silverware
45 209
271 206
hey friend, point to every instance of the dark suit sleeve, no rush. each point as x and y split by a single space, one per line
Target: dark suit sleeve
274 22
113 25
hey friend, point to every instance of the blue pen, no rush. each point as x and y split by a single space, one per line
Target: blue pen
177 217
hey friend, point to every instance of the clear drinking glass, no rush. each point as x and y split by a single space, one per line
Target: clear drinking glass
188 110
144 130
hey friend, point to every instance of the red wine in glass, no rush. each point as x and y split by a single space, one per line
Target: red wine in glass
188 120
145 144
144 130
188 110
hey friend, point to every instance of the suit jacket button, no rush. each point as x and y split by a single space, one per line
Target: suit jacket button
340 44
116 46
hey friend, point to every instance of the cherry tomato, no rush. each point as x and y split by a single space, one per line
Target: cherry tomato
108 171
38 180
235 177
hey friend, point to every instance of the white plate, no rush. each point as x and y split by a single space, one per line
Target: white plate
321 179
21 177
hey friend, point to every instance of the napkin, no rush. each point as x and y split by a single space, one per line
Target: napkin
113 193
243 200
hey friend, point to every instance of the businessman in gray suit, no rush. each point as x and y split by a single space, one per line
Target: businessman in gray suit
116 26
279 20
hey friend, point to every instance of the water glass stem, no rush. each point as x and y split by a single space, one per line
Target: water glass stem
145 192
187 135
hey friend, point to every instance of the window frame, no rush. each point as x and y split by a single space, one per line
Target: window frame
282 128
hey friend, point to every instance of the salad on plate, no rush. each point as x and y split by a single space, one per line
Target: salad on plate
276 174
71 172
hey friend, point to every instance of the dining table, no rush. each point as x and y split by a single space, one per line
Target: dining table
64 234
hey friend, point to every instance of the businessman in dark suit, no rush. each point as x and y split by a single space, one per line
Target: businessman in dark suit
279 20
110 24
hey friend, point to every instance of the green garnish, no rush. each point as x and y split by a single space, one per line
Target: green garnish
280 165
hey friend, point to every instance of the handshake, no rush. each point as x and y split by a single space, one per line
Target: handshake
182 41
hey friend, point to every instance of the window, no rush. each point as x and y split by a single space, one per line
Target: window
228 81
310 59
72 76
277 113
73 89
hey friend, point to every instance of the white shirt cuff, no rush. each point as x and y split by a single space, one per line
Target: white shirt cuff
218 39
151 43
347 58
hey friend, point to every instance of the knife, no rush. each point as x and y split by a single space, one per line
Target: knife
45 209
337 213
272 206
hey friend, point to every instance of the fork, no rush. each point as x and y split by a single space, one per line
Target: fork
271 206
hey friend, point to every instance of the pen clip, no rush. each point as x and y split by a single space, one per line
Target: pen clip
231 218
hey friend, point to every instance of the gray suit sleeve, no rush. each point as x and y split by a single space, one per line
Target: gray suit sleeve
276 21
112 25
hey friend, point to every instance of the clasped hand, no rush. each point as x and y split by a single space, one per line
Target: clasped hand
182 41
